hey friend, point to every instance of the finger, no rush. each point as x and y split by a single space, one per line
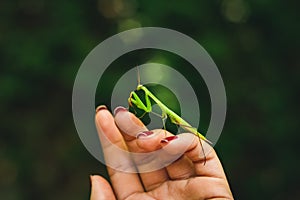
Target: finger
203 156
182 168
205 160
116 156
101 189
138 138
146 143
129 125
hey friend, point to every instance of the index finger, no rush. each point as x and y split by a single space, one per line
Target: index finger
132 129
113 145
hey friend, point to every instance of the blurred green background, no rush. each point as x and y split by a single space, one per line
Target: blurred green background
255 45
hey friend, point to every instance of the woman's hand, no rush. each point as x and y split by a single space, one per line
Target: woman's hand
185 178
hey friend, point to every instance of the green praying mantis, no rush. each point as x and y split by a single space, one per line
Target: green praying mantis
135 100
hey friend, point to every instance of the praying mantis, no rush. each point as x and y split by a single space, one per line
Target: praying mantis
135 100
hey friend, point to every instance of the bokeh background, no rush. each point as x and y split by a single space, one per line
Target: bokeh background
254 43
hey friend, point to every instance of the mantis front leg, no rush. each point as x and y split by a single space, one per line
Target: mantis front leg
134 99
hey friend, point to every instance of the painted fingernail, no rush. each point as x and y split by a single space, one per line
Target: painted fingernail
168 139
119 109
144 134
101 107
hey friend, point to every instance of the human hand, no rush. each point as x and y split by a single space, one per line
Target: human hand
185 178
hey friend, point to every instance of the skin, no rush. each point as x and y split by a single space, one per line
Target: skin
185 178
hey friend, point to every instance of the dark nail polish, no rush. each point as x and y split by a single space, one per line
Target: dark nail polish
168 139
101 107
144 134
119 109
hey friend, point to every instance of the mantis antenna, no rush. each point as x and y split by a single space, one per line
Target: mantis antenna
138 75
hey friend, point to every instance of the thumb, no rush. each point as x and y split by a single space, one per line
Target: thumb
101 190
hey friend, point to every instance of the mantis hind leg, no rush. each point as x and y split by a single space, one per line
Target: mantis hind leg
196 134
163 118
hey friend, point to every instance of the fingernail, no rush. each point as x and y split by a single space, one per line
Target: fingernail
119 109
144 134
101 107
168 139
